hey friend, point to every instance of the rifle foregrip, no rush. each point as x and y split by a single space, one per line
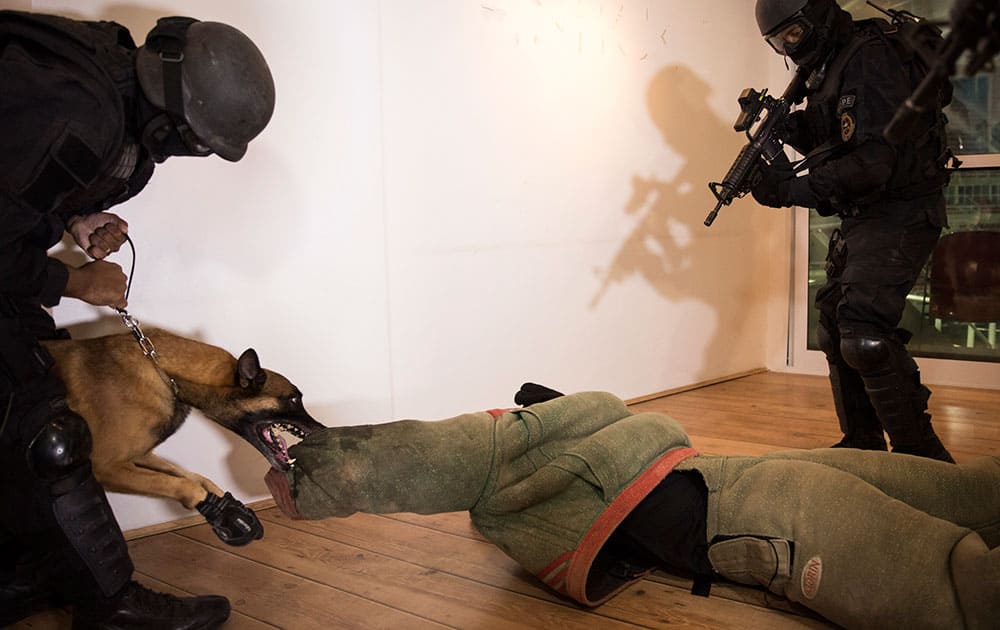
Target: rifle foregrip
737 179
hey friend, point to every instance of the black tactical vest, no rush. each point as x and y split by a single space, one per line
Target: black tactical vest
920 167
75 179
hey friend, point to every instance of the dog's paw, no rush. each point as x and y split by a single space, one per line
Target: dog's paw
234 523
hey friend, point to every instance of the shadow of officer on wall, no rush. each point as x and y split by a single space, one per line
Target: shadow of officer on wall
668 246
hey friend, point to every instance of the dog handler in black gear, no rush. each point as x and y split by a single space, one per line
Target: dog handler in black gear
889 200
84 117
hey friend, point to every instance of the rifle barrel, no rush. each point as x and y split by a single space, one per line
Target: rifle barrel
710 219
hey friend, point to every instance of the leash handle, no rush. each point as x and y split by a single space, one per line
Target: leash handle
132 324
131 271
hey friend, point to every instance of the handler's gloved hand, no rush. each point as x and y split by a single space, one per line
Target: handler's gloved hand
797 133
772 184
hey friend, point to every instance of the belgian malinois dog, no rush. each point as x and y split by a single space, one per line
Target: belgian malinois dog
132 403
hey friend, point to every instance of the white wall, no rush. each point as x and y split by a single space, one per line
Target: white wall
455 197
557 234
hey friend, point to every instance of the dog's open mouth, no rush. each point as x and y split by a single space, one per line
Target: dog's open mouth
273 438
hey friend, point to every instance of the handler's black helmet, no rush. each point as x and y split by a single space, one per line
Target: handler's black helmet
212 81
800 29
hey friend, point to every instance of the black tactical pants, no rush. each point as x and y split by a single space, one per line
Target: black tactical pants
47 518
886 249
874 261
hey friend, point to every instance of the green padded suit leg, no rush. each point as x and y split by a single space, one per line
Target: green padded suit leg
548 484
441 466
967 495
873 537
403 466
977 579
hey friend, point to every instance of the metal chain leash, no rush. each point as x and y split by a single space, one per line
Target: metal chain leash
145 343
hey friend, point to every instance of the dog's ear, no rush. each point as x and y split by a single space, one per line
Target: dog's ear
249 375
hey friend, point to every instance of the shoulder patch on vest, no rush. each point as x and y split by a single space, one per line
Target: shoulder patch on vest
845 103
847 126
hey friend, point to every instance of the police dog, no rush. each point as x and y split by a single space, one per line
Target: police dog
133 403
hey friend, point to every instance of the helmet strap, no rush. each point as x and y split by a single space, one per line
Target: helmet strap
167 39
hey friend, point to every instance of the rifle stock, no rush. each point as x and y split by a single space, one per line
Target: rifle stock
972 31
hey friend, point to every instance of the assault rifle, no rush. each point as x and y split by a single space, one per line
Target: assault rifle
975 28
764 140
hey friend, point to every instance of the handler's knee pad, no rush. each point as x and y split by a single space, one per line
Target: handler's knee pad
865 354
62 446
97 560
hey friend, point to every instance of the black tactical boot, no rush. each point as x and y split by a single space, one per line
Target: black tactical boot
858 419
26 588
928 445
139 608
870 442
892 382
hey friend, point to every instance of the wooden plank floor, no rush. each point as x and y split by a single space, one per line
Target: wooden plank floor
409 571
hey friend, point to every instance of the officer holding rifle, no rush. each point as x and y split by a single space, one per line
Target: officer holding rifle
888 197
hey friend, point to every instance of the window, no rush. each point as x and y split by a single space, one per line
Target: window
946 311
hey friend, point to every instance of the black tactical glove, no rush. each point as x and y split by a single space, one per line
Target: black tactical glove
531 393
772 184
798 132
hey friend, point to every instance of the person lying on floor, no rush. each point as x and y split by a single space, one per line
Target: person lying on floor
590 497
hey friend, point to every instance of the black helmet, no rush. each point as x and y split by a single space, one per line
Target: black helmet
771 14
212 81
800 29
